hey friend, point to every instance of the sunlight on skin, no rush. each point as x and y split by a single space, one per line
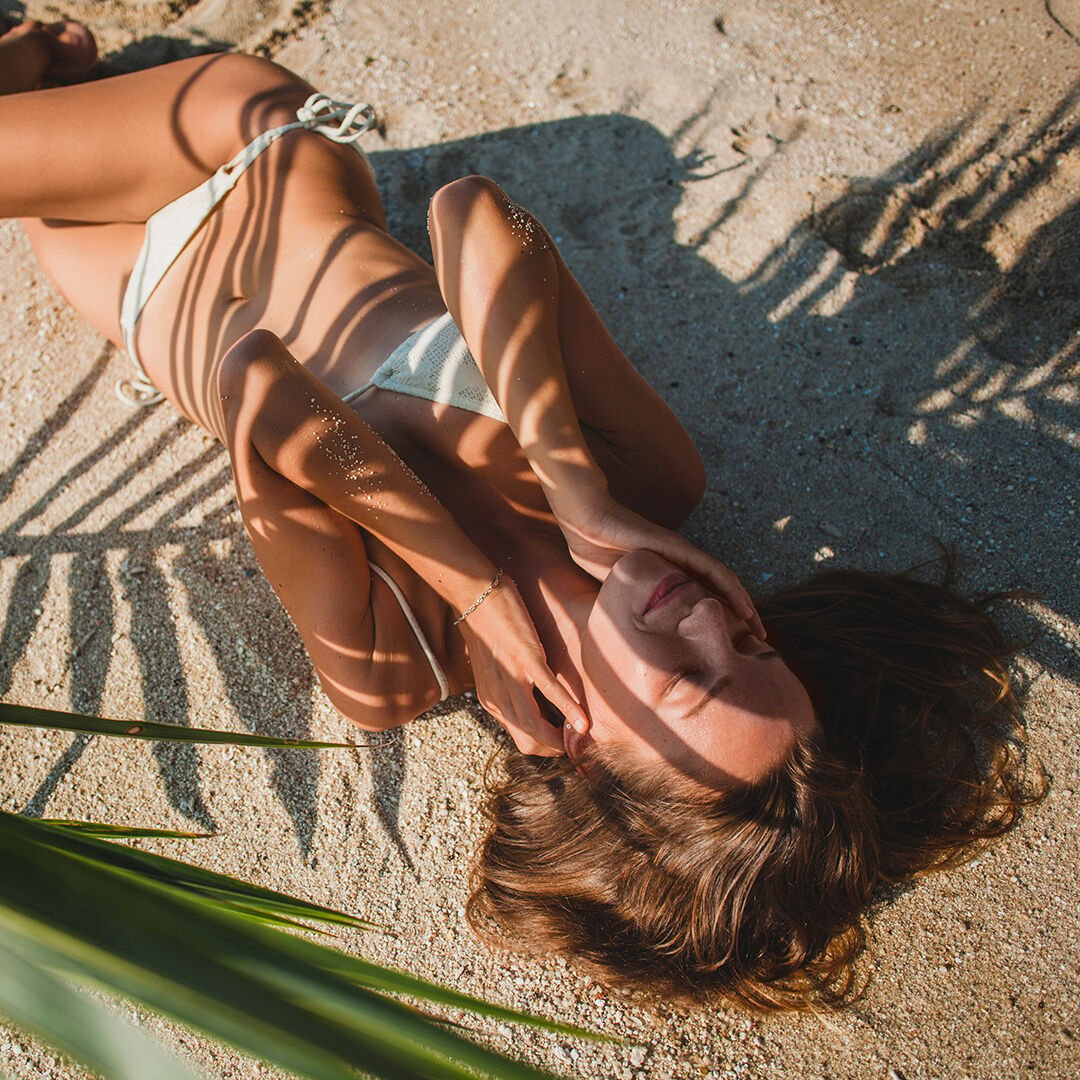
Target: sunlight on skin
672 674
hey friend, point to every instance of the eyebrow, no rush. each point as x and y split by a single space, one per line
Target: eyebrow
709 694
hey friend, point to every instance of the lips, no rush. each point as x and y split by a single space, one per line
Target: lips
665 589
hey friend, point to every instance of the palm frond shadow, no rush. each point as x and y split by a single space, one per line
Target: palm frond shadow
919 236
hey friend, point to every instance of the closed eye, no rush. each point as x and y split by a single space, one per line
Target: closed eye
716 688
680 680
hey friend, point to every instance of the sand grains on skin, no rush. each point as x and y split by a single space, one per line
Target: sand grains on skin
864 326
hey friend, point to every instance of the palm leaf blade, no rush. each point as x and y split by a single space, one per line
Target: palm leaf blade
103 831
264 992
24 716
34 1000
386 980
266 904
184 875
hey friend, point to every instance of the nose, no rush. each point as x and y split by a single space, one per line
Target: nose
708 615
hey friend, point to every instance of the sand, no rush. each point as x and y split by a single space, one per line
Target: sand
840 239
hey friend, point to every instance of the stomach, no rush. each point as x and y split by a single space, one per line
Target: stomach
288 251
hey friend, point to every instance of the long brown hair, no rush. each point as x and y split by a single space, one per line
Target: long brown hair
757 893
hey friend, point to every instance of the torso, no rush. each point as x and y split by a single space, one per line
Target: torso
291 253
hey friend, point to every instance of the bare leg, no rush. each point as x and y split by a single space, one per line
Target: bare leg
119 149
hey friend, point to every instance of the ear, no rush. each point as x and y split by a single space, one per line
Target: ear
575 742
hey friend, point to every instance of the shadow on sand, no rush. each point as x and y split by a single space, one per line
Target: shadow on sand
972 436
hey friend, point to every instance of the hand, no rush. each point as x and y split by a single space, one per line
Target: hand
611 530
508 662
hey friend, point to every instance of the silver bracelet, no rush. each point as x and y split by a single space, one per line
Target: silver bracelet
481 598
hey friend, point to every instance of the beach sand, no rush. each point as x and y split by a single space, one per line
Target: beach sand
840 239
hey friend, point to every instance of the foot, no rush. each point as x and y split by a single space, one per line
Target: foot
47 54
74 51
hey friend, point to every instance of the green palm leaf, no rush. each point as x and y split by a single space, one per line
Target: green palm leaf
270 994
24 716
119 832
276 908
33 998
241 895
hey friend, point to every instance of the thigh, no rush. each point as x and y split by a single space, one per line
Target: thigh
89 264
121 148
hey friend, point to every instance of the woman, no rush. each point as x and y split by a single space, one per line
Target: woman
455 480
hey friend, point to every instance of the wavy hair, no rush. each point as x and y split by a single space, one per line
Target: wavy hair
757 893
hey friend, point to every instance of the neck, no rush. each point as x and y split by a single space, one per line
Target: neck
559 596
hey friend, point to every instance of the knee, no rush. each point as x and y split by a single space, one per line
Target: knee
250 95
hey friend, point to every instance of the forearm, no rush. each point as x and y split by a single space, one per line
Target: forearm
499 277
304 432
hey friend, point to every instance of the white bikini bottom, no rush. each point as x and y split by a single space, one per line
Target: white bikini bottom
171 229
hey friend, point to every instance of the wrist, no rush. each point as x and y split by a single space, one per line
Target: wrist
575 491
495 582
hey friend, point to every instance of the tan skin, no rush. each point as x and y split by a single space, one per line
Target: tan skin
289 297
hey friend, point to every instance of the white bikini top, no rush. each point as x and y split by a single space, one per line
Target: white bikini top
434 363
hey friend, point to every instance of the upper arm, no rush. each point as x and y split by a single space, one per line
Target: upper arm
650 462
316 560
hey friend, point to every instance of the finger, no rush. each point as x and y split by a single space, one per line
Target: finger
530 727
730 587
523 739
493 711
529 744
559 694
748 610
584 717
723 580
744 607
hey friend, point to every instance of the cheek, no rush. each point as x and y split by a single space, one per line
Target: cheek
778 696
623 686
613 700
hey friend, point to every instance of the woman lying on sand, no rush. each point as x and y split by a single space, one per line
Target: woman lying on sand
455 480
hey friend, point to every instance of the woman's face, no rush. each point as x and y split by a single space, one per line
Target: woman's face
673 675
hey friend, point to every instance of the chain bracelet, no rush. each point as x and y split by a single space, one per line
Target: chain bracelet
481 598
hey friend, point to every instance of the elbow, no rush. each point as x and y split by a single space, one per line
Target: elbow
361 696
257 351
693 483
453 203
381 717
685 490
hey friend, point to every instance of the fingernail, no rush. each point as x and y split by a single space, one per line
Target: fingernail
581 726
